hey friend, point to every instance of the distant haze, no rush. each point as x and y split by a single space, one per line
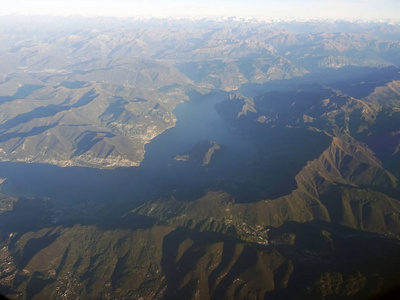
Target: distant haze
335 9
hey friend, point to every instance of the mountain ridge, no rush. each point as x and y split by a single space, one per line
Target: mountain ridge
245 160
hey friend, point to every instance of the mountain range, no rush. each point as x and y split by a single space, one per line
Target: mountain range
173 159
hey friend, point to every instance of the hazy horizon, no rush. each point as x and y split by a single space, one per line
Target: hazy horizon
338 9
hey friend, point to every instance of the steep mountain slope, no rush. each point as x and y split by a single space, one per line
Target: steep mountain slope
86 124
314 241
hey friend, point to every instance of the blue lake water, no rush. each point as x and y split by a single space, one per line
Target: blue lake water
255 165
196 120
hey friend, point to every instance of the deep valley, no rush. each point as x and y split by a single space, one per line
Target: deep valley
174 159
